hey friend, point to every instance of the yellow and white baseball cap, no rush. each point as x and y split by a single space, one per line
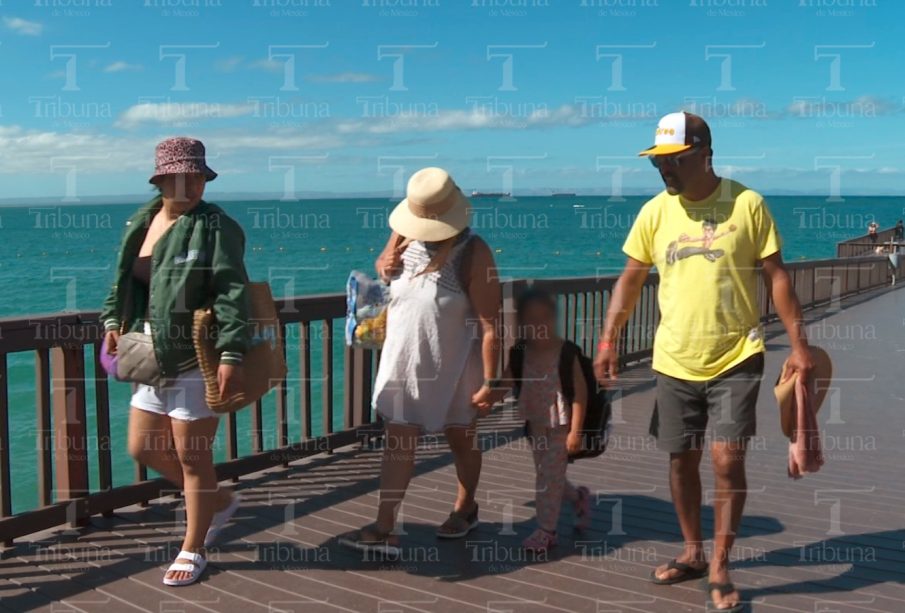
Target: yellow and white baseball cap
678 132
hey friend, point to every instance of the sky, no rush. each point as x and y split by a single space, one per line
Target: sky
305 97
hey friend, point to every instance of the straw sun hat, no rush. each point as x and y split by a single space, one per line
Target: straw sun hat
434 208
784 391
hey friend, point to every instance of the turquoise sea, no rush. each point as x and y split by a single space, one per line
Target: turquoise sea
60 258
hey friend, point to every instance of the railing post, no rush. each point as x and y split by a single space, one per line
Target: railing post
282 404
70 431
361 387
305 378
813 286
327 377
507 316
6 500
349 384
44 442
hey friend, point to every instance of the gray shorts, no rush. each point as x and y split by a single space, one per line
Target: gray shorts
728 401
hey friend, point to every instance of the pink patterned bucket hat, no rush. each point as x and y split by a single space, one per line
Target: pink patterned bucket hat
180 155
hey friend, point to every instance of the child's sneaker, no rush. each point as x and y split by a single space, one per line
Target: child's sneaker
583 508
540 541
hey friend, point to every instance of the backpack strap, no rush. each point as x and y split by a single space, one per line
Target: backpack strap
517 363
463 264
567 356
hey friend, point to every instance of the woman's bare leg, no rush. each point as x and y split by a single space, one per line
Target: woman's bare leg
194 448
395 471
462 441
151 444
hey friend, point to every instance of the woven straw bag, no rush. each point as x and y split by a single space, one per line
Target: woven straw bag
264 363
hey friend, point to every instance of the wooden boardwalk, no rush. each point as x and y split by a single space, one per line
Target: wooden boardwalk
834 541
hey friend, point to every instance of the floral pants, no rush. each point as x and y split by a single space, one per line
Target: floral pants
550 462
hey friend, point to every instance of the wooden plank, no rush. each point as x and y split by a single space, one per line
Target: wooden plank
257 433
102 422
6 500
281 403
70 427
361 383
232 437
43 427
367 385
349 383
327 376
305 378
311 308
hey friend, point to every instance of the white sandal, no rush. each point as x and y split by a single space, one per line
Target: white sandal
196 566
219 520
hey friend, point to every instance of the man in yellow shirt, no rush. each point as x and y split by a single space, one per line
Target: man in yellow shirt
706 236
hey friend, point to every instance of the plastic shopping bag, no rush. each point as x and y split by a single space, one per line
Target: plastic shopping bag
366 311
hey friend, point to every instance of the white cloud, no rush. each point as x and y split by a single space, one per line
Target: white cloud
275 141
428 118
710 107
268 65
229 64
820 107
378 119
36 151
27 151
345 77
121 67
236 62
105 158
179 113
21 26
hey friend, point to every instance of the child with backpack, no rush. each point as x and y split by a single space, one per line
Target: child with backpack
554 420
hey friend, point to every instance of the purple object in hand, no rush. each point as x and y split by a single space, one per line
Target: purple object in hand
108 361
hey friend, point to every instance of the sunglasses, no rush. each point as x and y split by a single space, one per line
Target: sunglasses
671 160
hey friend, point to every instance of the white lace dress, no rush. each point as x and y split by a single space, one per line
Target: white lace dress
431 361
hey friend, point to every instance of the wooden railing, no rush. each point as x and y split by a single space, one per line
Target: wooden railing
864 244
59 342
855 249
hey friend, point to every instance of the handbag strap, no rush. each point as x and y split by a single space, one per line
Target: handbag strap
127 307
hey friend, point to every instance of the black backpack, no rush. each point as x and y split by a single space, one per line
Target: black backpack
598 415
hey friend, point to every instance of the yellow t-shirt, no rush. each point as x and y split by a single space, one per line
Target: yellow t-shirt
705 252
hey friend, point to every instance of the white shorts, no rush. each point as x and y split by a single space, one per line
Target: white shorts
180 399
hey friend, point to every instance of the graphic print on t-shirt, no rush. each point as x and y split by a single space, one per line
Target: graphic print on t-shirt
705 248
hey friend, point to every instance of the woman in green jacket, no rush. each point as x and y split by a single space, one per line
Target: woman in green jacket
180 254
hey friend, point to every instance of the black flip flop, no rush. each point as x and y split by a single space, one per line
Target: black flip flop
689 573
379 543
723 589
468 522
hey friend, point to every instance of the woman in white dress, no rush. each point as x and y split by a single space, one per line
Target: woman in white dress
438 368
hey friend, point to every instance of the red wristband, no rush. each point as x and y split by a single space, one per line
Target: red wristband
605 345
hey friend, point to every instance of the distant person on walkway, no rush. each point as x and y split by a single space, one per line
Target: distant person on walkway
899 230
708 348
438 367
180 253
554 421
872 228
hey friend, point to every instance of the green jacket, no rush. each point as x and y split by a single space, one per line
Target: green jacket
197 263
